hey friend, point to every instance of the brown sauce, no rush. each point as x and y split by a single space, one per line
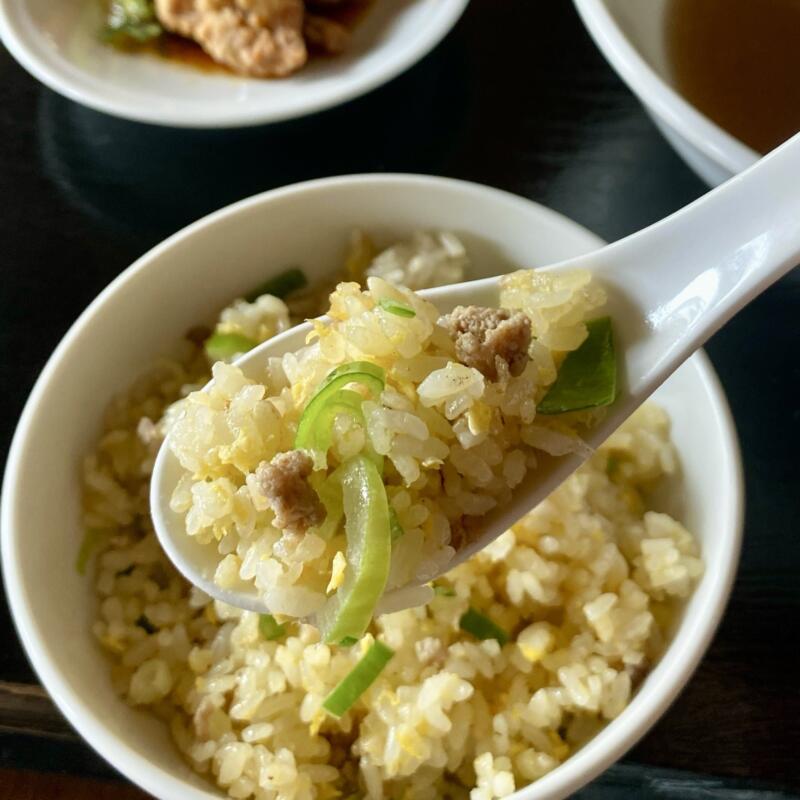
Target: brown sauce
187 51
738 61
175 48
348 14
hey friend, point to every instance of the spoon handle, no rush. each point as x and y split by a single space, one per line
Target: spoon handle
687 275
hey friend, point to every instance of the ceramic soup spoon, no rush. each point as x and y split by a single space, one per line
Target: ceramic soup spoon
670 287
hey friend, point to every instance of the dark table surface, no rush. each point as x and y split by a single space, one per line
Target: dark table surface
516 97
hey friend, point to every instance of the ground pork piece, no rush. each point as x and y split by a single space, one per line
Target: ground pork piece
263 38
484 335
325 35
284 482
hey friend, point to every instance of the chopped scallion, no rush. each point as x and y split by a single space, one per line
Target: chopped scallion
224 346
329 491
131 21
395 526
588 376
369 550
348 641
92 539
269 627
481 627
314 431
280 286
397 308
443 591
358 680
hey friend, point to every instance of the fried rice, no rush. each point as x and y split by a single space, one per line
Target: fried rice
584 589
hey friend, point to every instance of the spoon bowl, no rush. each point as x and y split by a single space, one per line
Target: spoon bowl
198 562
670 287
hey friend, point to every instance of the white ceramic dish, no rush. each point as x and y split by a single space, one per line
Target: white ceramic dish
57 42
630 34
180 283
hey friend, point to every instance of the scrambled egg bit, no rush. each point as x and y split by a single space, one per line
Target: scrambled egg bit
337 572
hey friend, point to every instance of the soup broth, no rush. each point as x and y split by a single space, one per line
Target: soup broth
738 61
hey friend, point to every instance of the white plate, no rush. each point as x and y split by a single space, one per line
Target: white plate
186 280
57 41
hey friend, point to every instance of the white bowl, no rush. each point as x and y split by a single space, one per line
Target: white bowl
630 33
58 43
186 280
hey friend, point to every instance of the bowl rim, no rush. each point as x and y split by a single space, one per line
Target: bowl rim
577 770
652 90
444 17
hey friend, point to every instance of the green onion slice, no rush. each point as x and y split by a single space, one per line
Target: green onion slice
223 346
394 525
315 431
92 540
131 21
481 627
396 308
280 286
369 547
358 680
442 590
269 627
329 491
588 376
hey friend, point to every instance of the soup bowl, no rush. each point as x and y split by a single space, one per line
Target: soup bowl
631 36
186 280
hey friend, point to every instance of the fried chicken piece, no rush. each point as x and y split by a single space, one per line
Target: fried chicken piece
263 38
